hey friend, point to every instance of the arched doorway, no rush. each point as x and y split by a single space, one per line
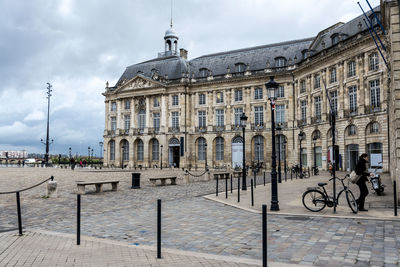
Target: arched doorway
237 152
173 152
352 156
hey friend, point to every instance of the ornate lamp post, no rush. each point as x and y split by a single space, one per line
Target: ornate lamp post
88 154
301 135
70 152
279 132
46 156
101 149
161 156
272 89
205 147
243 120
314 140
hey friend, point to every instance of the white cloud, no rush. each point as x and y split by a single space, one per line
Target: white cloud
36 115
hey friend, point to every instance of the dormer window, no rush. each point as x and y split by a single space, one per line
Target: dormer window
335 38
203 72
304 53
373 19
240 67
280 62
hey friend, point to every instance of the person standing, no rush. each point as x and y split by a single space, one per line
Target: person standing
361 169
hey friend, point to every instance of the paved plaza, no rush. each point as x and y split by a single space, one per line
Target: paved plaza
196 226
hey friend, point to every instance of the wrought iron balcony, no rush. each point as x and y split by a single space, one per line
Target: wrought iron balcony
173 129
301 122
201 129
372 109
138 131
123 132
257 127
349 113
153 130
282 124
219 128
316 119
236 127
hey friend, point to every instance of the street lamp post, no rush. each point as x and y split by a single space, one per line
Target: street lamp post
122 158
284 157
92 154
279 132
301 134
243 120
101 149
161 156
46 157
205 145
258 154
88 154
70 152
314 140
272 89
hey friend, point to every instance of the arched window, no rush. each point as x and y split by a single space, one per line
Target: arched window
240 67
203 72
280 62
351 130
316 135
259 148
374 127
237 140
125 150
155 149
168 45
112 150
335 38
140 149
219 147
201 148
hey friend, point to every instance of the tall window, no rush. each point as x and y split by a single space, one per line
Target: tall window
304 157
142 119
258 93
156 121
175 119
127 122
155 150
373 61
375 93
334 100
202 119
317 81
258 115
353 99
332 76
240 67
238 114
140 149
127 104
202 99
156 102
280 62
175 100
219 147
203 72
125 150
112 150
317 103
351 69
220 97
220 117
258 148
281 91
201 149
303 106
352 130
302 86
374 127
114 106
280 113
238 95
113 123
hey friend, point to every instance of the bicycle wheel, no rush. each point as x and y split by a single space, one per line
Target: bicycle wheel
351 200
314 200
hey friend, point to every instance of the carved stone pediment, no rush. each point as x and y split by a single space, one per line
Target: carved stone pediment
139 82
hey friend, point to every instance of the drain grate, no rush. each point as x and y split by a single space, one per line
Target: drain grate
297 218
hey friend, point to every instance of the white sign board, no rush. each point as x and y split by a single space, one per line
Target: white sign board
323 157
375 160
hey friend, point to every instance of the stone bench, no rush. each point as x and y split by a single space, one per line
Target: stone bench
163 179
99 184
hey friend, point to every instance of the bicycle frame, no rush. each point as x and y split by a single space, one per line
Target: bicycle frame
336 201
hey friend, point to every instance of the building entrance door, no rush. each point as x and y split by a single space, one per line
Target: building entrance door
173 153
352 157
237 152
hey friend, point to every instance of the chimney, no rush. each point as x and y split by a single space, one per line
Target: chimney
183 52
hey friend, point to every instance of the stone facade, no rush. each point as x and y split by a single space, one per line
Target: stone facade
168 108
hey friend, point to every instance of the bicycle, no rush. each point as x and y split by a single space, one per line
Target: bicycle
316 200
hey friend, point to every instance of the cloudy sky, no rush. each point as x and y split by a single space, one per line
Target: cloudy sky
79 45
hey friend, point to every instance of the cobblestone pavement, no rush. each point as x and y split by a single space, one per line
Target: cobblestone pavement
193 223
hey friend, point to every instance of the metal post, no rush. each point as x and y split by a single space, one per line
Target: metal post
395 198
274 184
255 179
231 183
19 215
78 226
264 178
301 166
252 193
238 189
205 166
161 156
279 160
216 187
226 186
159 228
244 184
48 115
264 234
284 159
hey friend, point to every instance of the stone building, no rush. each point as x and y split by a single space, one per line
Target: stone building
186 113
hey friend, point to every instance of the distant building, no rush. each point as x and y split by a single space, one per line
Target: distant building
190 109
13 154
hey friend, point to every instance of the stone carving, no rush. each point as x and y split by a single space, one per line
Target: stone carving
140 83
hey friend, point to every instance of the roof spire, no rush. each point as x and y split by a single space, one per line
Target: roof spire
171 12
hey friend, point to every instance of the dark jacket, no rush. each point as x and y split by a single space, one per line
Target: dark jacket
361 169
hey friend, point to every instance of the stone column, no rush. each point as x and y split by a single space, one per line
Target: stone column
163 115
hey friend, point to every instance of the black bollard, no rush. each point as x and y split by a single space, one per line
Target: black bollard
395 198
264 178
226 186
216 187
252 193
78 226
291 175
239 189
264 234
255 180
159 228
19 215
231 184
